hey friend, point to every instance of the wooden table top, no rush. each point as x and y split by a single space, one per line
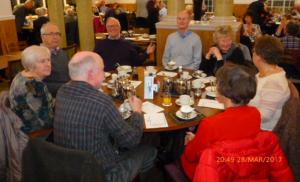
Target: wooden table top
173 122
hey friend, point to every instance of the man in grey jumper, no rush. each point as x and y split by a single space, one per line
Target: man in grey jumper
50 35
184 46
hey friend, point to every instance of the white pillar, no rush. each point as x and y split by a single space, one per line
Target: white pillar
223 11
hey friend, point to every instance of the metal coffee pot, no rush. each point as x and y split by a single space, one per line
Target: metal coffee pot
168 85
181 86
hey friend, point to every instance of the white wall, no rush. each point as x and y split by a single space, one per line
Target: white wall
5 10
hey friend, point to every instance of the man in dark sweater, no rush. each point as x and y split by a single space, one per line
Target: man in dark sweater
50 35
20 12
87 119
115 49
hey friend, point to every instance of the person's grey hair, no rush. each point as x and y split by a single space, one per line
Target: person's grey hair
41 11
32 54
30 1
222 31
113 18
81 67
44 27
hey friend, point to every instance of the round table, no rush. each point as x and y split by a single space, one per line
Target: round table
173 123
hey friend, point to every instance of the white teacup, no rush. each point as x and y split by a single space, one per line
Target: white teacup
186 111
185 75
114 76
196 83
171 64
184 100
150 68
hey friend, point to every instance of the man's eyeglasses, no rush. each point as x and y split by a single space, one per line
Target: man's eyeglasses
112 26
52 34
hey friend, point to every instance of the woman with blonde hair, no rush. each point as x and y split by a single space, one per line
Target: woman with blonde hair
224 50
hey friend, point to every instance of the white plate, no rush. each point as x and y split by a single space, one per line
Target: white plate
177 101
202 75
126 115
211 89
125 68
192 115
187 78
211 94
106 74
110 86
171 69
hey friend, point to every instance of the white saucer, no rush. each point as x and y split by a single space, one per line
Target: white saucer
189 77
202 75
177 101
124 68
126 115
211 94
171 69
110 86
106 74
192 115
211 89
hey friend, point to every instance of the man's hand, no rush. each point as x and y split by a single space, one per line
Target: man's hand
151 48
136 104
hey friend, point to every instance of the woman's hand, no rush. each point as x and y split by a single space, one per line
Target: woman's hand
215 52
188 137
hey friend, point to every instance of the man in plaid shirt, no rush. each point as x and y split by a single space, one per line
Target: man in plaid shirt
86 119
291 41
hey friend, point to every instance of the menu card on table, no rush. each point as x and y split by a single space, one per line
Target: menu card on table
155 120
153 116
210 103
149 108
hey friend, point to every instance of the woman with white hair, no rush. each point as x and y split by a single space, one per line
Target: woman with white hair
28 95
223 51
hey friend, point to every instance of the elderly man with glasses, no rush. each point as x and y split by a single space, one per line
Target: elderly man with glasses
114 49
51 37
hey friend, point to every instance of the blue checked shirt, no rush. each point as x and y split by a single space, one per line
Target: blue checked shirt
290 42
86 119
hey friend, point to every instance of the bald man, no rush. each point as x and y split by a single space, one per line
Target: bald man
86 119
184 46
115 49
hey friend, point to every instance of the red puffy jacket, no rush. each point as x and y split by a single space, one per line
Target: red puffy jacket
256 159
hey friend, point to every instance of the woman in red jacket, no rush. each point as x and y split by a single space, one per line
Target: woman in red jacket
235 88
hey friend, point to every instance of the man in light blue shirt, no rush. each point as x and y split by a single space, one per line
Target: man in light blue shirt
184 46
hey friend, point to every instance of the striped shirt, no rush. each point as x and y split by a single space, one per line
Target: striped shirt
86 119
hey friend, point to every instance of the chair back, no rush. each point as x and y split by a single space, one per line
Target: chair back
12 142
47 162
246 52
288 130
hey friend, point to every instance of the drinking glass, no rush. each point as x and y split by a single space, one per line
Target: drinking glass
167 100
